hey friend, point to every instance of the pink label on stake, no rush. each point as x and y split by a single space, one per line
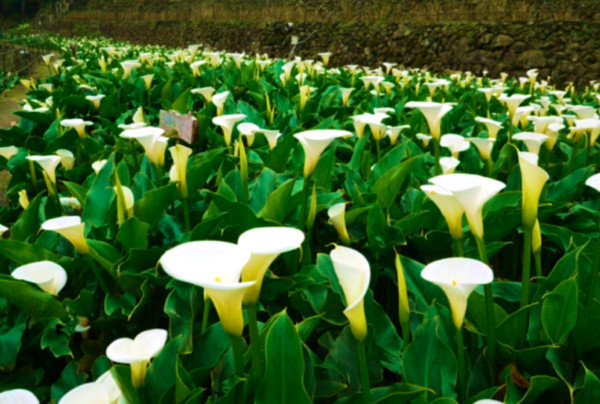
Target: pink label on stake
185 126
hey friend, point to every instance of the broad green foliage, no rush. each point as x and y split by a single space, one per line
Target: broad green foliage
359 186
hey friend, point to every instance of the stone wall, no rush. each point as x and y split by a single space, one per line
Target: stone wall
567 49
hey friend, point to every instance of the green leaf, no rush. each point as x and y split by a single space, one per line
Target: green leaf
133 233
150 207
388 185
55 340
10 342
69 379
179 306
277 206
283 383
559 311
181 104
429 362
77 191
31 300
29 221
24 253
590 391
95 210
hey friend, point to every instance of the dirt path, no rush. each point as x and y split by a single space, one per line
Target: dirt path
10 100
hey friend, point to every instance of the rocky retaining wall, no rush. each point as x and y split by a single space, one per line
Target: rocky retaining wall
565 50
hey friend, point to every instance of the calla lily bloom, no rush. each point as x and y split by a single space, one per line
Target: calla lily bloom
433 112
594 182
219 101
354 275
449 164
450 207
513 102
472 192
128 198
216 266
71 228
372 81
325 56
23 199
148 80
590 126
533 179
493 127
458 277
70 202
127 66
18 396
95 99
98 165
314 143
67 159
180 155
77 124
148 137
3 229
227 122
137 352
48 275
115 396
265 244
552 133
532 140
248 129
584 111
484 146
8 152
271 136
454 143
540 123
346 95
394 131
48 164
337 218
425 139
196 67
206 92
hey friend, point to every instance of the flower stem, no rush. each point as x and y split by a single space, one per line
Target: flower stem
186 214
589 297
489 309
378 148
526 272
238 354
437 168
538 262
205 315
303 209
364 372
257 367
457 247
460 354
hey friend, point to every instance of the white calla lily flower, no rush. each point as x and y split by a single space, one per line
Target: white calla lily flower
89 393
137 352
472 192
337 218
48 275
248 129
148 137
71 228
513 102
449 164
98 165
227 122
594 182
18 396
484 146
77 124
48 164
67 159
433 112
265 244
206 92
346 95
354 275
95 99
271 136
454 143
180 155
493 127
8 152
219 101
533 179
458 277
532 140
449 206
216 266
314 143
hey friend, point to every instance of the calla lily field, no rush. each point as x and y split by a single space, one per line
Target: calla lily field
192 225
